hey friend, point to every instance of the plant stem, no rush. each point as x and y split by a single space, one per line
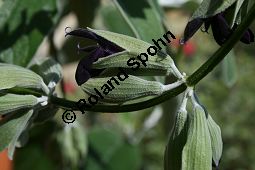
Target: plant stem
192 80
121 108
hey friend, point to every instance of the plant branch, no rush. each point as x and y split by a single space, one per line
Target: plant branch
192 80
121 108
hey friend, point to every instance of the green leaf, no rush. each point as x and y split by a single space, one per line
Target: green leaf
242 12
73 144
106 148
119 90
36 154
48 69
67 146
80 140
231 14
126 157
210 8
24 30
16 76
6 8
197 152
10 131
159 12
110 15
12 102
229 72
216 139
176 142
142 18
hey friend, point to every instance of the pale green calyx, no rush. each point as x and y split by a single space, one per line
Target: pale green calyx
15 76
137 54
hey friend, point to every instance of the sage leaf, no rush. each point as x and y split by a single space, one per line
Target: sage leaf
6 8
242 12
229 71
11 130
232 13
73 143
48 69
80 139
12 102
176 142
210 8
140 16
67 145
197 152
16 76
216 140
118 90
110 15
25 28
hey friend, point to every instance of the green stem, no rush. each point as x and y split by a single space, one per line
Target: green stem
192 80
121 108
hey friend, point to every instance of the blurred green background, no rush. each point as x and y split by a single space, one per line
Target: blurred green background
32 29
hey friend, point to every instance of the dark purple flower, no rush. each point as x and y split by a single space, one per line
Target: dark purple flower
220 29
247 37
103 48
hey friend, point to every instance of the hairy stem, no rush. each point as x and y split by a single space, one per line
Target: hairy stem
192 80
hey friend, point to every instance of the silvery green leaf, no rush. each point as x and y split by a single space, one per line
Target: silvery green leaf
110 15
140 16
6 8
12 102
216 140
176 142
154 64
10 130
238 5
197 152
68 145
16 76
242 12
80 139
48 69
210 8
229 72
118 90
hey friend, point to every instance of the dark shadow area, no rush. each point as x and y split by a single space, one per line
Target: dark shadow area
134 8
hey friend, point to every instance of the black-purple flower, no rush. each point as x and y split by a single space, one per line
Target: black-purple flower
220 28
103 48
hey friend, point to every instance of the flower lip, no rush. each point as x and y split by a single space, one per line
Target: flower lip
191 28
